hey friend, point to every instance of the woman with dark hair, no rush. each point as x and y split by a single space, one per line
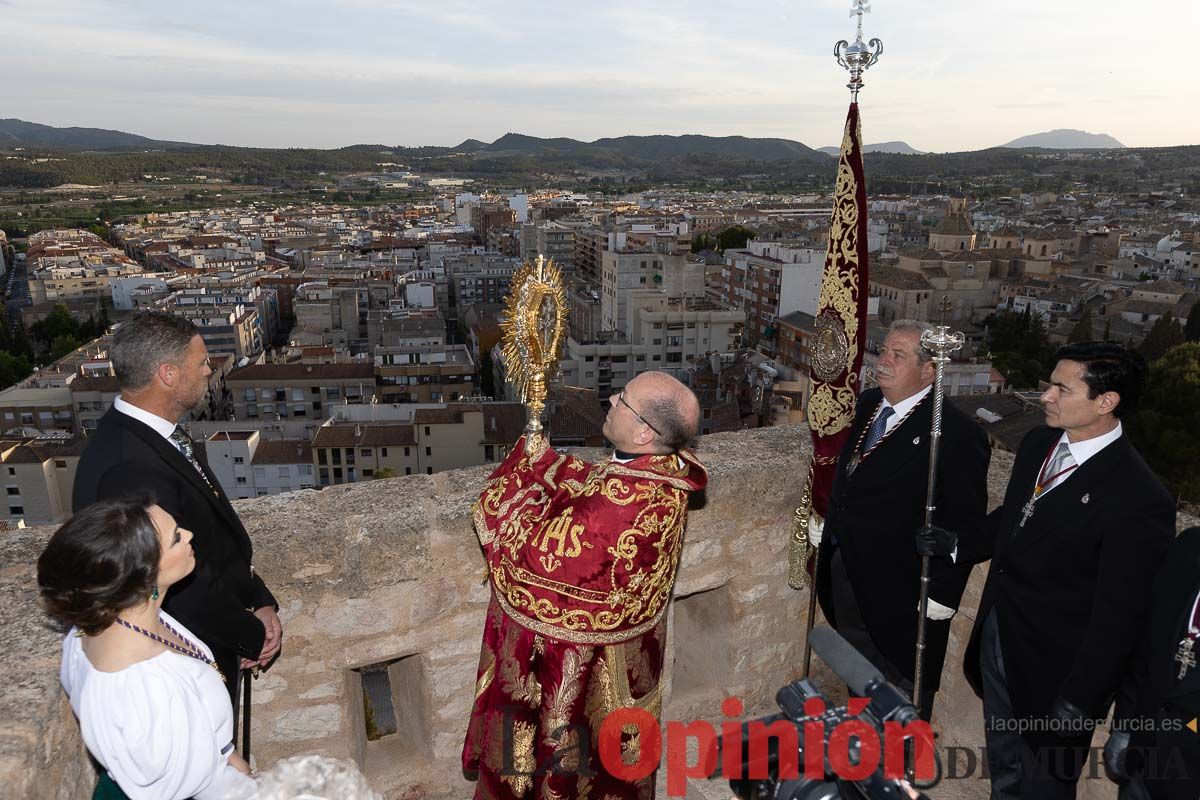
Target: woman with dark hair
151 703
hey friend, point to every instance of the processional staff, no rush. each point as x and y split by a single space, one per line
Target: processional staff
939 343
839 325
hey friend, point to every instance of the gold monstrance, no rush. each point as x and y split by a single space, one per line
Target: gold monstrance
536 308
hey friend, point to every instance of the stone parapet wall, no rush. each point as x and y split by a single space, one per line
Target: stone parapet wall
388 575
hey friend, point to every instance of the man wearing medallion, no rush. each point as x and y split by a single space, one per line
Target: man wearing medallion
869 574
1073 550
581 558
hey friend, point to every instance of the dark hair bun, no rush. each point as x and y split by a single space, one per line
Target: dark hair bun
100 562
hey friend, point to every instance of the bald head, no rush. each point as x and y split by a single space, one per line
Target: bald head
671 407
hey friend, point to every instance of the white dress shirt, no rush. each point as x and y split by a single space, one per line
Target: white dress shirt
163 427
1082 451
900 409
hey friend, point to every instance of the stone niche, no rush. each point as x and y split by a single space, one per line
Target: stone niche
387 576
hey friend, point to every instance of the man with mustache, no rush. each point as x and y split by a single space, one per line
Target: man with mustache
869 573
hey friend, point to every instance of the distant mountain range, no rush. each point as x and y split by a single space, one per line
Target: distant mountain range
650 148
93 156
1067 139
903 148
19 133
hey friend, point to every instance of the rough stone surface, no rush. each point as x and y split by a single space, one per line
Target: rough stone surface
376 572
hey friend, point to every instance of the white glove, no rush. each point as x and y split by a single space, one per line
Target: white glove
937 611
816 529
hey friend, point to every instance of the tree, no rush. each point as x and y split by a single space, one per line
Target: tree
487 378
703 242
58 322
1082 332
1191 330
13 368
1166 427
1163 335
386 472
734 237
1020 347
61 346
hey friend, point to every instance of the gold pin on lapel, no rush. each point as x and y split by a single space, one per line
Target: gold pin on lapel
1085 498
917 440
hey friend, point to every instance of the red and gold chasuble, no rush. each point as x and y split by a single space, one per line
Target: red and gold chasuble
581 559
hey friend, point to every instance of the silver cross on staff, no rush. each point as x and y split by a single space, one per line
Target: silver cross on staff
859 56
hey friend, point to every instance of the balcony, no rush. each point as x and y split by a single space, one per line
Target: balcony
419 613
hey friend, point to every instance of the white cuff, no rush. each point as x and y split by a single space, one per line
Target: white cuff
816 530
938 612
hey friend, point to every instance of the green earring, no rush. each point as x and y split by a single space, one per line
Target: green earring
154 592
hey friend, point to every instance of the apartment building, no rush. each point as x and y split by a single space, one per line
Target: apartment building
678 329
769 280
425 373
227 329
355 447
38 474
248 465
262 391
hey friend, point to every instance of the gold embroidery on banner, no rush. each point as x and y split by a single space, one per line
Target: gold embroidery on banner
831 408
539 645
525 688
585 788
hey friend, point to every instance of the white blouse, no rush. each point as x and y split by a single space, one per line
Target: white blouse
162 727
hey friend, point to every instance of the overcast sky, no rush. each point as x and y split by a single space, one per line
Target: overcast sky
955 74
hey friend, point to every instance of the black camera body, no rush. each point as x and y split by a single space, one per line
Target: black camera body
804 706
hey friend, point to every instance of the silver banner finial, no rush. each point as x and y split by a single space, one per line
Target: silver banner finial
858 57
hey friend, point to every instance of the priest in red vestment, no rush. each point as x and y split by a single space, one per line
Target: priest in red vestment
581 558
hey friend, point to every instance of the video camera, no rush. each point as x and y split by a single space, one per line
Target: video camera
887 712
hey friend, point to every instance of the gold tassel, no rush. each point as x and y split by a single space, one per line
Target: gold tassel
798 544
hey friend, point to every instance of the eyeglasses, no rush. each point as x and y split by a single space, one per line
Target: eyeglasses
632 410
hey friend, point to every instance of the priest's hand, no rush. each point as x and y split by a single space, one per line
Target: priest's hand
934 541
1068 719
816 530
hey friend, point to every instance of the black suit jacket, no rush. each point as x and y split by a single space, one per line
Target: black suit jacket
124 456
1072 587
1155 705
875 511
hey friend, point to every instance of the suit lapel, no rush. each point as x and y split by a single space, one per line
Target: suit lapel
899 446
1069 499
181 466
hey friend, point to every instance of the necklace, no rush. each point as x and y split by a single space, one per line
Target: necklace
1043 484
193 651
856 456
1185 656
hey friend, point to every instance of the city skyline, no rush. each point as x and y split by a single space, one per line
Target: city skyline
952 78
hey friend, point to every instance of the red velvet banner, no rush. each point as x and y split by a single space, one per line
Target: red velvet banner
840 324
